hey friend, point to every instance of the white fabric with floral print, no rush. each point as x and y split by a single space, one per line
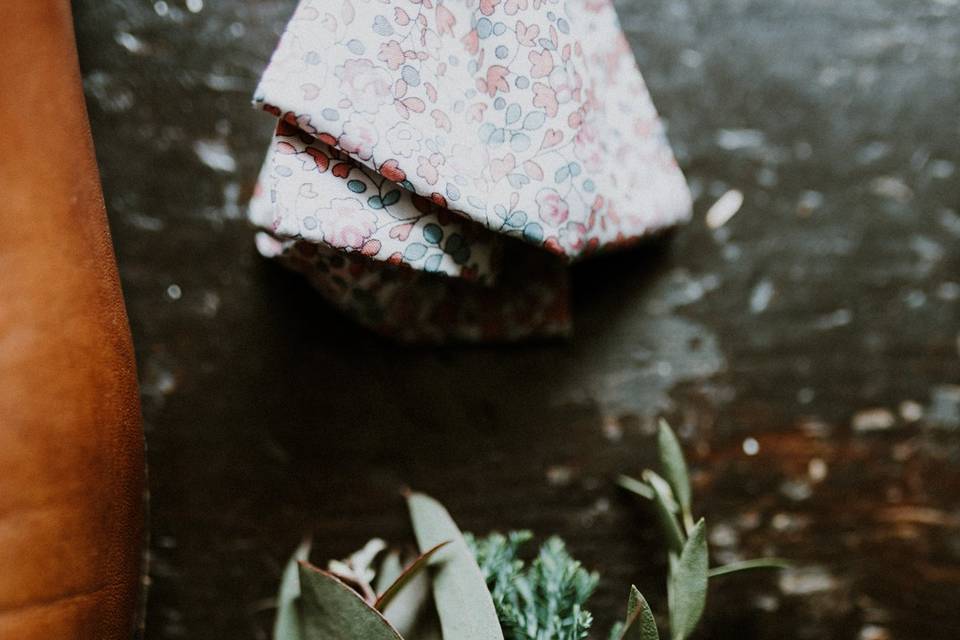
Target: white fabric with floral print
426 132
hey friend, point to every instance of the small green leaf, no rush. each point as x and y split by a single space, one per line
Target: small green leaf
748 565
687 583
331 609
287 624
675 469
405 577
463 602
638 487
640 623
666 509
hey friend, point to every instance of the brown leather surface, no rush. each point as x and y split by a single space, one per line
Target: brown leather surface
71 445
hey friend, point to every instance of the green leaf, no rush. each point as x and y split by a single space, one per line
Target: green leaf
640 623
748 565
331 609
463 602
675 469
687 583
543 600
638 487
666 509
405 577
287 624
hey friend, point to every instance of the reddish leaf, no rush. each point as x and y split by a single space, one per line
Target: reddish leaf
404 578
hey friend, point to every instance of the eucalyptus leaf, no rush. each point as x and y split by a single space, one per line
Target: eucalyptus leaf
409 609
662 490
464 604
749 565
666 509
638 487
687 583
287 625
384 599
675 470
640 623
331 609
431 631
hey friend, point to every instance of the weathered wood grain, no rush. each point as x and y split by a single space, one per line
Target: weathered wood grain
835 290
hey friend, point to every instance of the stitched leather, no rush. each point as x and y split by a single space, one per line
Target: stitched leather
71 444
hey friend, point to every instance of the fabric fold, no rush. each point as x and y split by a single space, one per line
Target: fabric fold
321 195
431 136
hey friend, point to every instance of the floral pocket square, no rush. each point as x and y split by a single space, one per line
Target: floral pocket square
437 164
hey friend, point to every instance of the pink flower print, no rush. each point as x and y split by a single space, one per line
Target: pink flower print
358 138
475 112
471 42
391 54
445 20
301 122
368 87
552 208
565 82
526 35
545 98
441 120
587 148
487 6
404 139
541 63
427 167
573 236
496 80
468 162
500 167
511 7
346 224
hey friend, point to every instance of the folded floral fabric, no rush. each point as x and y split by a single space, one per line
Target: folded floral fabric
437 163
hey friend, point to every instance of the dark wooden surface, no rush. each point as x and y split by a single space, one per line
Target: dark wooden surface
834 291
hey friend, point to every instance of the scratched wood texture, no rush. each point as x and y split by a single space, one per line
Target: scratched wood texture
816 330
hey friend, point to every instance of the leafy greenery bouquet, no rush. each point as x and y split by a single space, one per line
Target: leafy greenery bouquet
461 587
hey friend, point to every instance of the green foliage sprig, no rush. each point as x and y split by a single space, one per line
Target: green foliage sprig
688 556
545 599
481 588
